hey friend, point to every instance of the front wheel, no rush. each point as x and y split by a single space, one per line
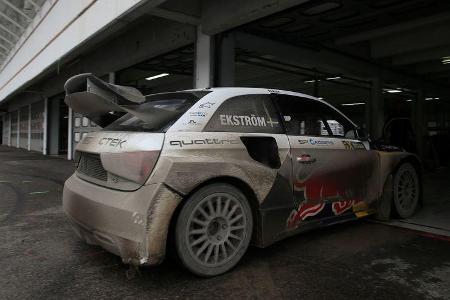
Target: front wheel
406 190
213 230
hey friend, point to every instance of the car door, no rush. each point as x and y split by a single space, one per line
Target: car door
334 175
261 158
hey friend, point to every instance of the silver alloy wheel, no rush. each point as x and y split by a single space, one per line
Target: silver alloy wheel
216 229
406 190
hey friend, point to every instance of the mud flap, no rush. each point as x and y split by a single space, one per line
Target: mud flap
385 204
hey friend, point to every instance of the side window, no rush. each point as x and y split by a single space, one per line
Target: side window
337 123
246 113
304 116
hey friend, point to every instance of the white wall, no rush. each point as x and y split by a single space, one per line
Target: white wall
66 26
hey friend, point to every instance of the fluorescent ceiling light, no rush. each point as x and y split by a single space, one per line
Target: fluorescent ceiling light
430 98
352 104
408 100
157 76
393 91
311 81
320 98
333 78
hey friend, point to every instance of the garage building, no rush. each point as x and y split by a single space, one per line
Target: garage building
383 63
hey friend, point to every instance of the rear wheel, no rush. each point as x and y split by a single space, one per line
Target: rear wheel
406 190
213 229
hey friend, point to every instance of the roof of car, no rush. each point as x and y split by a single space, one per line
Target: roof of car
247 90
253 89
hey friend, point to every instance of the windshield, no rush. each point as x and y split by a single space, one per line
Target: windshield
156 114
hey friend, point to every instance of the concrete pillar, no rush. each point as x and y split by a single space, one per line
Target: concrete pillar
4 137
18 128
204 58
9 130
419 122
226 60
69 135
316 87
29 128
3 129
45 128
375 108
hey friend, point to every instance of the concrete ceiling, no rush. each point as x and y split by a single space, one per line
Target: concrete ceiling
408 36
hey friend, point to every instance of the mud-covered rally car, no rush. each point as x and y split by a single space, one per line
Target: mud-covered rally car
207 172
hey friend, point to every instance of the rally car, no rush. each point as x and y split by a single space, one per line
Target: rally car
206 172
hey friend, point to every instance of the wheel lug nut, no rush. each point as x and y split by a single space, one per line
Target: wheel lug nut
219 238
224 226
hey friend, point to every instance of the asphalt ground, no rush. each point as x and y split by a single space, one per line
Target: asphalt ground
41 258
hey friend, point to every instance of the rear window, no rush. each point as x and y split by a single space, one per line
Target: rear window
157 113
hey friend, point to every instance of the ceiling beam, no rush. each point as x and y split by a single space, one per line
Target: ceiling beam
11 21
331 61
423 38
17 10
6 40
6 49
421 56
392 29
429 68
9 31
36 7
174 16
323 60
220 16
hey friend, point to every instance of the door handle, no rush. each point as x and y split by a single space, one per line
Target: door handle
305 159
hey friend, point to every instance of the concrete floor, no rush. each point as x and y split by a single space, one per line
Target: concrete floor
41 258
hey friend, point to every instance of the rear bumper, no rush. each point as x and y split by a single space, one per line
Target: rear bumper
133 225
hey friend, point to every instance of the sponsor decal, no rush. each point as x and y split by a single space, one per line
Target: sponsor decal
304 211
321 210
190 122
342 206
341 187
301 142
197 114
315 142
116 143
183 143
252 120
353 145
206 105
112 142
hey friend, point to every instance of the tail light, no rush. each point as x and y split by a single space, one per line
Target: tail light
134 166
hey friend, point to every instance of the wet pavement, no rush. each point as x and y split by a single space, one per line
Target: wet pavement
40 257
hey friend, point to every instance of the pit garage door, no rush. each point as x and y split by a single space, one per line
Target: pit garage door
14 127
5 131
23 127
37 126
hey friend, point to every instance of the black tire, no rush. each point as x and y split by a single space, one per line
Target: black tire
406 191
210 239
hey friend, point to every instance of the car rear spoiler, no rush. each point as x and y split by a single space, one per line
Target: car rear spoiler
98 100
